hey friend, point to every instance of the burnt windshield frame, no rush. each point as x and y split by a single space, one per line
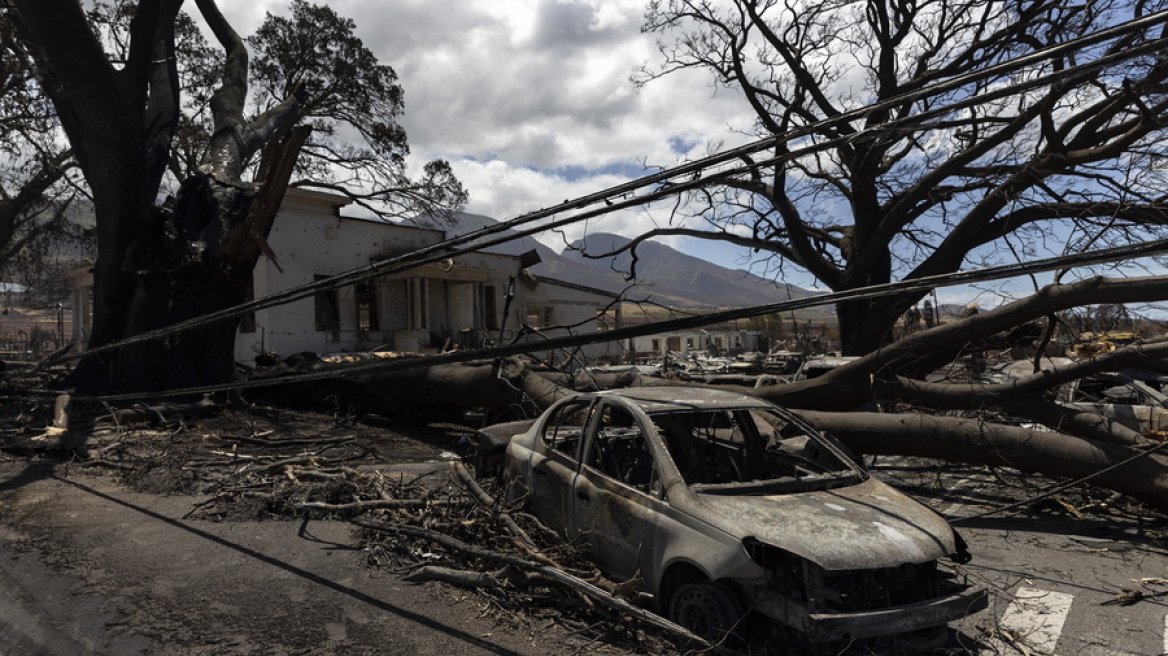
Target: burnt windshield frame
725 450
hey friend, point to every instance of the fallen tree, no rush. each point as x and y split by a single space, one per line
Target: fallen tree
978 442
891 374
498 385
1084 440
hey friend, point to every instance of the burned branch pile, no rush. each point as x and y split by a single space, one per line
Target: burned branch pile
437 523
426 521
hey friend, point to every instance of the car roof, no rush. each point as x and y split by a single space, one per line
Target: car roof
664 399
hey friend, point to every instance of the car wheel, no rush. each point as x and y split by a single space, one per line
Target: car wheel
707 609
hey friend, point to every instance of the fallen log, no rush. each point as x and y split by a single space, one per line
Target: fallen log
522 539
981 443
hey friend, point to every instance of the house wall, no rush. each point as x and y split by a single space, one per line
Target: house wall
456 308
310 239
458 301
727 342
549 305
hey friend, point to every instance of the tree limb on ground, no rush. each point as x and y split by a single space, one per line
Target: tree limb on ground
573 583
982 443
520 537
356 507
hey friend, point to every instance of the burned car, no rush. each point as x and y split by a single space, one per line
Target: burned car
725 504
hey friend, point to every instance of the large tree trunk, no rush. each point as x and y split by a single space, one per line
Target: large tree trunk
981 443
116 119
208 272
865 325
192 261
157 265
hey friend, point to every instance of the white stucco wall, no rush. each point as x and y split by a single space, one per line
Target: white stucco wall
465 297
576 310
310 239
729 342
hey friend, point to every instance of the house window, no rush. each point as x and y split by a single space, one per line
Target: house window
490 308
539 316
689 343
327 308
656 345
367 318
674 343
417 304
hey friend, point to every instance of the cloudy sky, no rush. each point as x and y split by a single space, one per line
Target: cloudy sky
531 100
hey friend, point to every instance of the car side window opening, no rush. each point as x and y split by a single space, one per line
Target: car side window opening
619 449
708 447
740 446
564 429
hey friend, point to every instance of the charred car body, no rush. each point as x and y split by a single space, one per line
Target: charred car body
724 504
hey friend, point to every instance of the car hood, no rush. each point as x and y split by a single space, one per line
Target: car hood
863 526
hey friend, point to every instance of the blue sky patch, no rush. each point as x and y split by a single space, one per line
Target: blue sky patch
681 145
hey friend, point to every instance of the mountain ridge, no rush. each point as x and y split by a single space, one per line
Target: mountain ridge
664 275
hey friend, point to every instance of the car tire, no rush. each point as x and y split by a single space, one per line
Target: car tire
708 609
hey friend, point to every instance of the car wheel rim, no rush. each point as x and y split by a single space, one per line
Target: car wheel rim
698 609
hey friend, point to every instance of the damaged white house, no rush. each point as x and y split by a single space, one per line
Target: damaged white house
712 341
460 301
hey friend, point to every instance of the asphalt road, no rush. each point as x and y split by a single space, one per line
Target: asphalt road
88 567
1055 579
1070 584
126 574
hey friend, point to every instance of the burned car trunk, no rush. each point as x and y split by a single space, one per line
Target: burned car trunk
725 504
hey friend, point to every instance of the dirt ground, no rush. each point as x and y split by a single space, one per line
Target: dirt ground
108 558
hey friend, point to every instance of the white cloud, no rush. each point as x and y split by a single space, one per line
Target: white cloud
516 190
531 100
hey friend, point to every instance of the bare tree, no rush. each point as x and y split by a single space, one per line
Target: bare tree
160 263
892 198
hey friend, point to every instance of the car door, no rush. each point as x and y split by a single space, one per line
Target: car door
614 501
555 461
